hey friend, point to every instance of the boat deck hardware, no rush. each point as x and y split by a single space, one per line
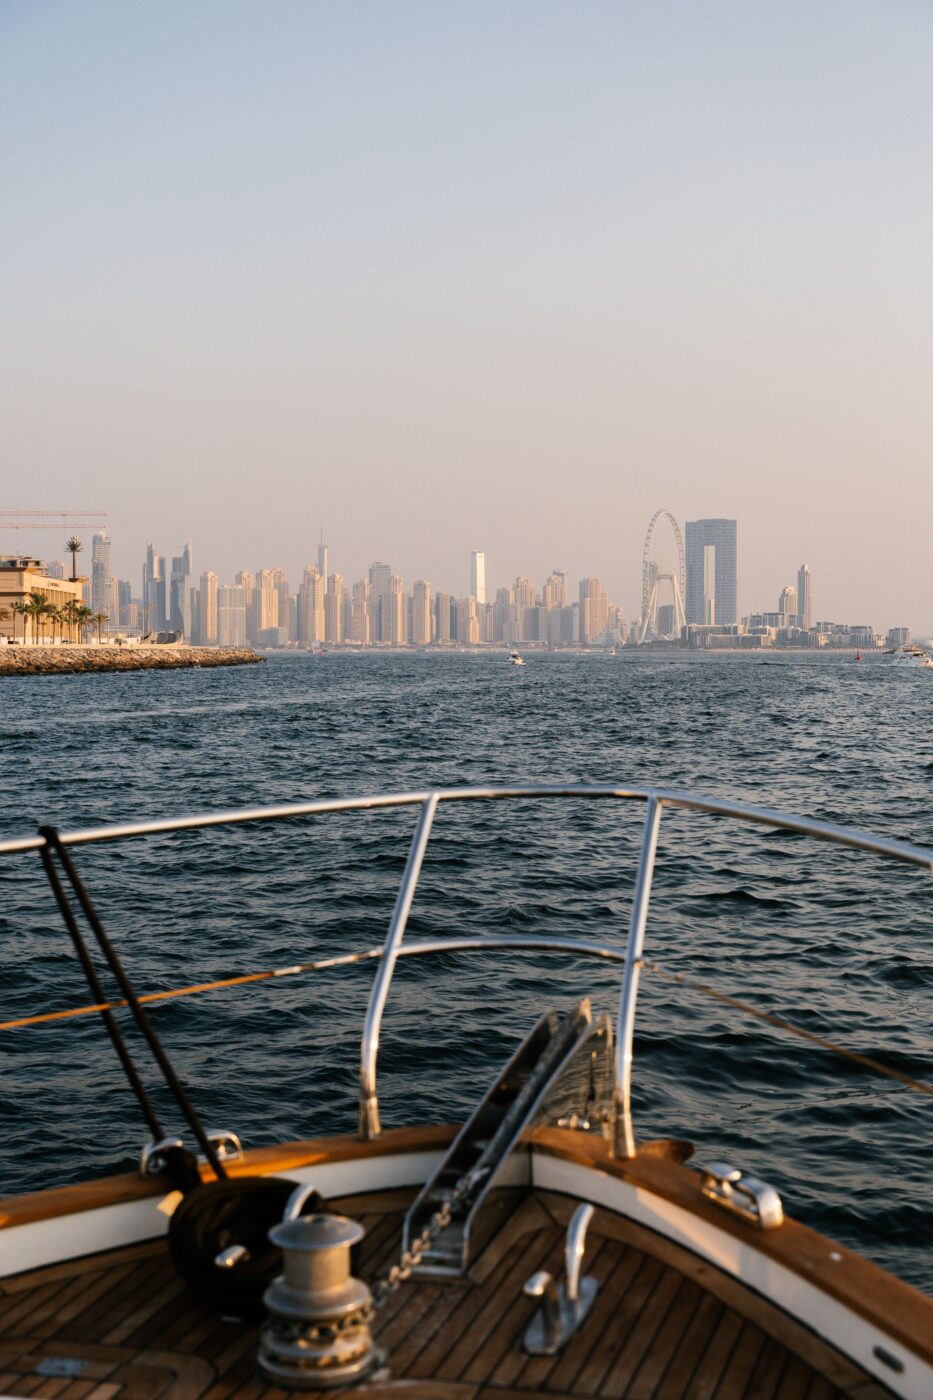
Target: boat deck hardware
747 1196
152 1158
563 1069
317 1334
233 1255
226 1144
563 1308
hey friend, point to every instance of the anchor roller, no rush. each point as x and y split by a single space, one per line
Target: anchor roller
317 1334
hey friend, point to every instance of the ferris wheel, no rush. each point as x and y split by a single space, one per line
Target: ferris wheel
651 581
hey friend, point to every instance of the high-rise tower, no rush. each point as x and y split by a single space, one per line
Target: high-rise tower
804 598
712 571
787 606
478 575
101 600
380 578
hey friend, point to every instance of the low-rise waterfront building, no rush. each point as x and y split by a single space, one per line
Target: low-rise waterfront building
21 579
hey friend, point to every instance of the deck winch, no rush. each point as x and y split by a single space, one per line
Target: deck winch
317 1334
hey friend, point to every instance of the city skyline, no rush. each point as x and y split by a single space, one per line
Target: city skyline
708 567
261 605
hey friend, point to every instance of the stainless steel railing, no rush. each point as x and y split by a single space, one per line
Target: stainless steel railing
656 799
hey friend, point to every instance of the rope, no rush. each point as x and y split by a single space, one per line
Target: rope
866 1061
73 1013
347 959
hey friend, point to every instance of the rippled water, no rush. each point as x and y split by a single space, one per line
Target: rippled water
837 942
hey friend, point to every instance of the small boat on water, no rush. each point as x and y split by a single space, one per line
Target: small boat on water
912 655
516 660
539 1248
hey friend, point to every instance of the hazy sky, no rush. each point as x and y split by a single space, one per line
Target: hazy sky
500 275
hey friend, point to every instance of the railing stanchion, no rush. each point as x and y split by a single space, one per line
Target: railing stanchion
370 1126
624 1138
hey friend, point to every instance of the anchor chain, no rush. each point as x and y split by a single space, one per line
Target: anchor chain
392 1280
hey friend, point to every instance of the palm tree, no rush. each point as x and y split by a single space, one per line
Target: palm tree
73 547
19 609
83 616
8 612
36 610
99 618
69 614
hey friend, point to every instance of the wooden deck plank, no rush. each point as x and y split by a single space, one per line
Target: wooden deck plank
512 1313
484 1319
431 1361
150 1303
715 1358
665 1325
100 1296
641 1337
819 1388
643 1273
770 1367
794 1381
665 1342
737 1375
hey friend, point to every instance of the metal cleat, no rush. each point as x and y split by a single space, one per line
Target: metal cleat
564 1308
754 1200
152 1156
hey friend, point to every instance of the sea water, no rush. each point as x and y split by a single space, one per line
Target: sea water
836 942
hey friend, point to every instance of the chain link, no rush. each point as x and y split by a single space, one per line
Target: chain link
382 1289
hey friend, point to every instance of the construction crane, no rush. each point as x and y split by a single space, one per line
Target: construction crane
51 519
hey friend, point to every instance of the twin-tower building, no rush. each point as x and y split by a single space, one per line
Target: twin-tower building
712 572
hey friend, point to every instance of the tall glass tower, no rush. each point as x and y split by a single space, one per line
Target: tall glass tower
101 601
712 571
478 575
804 598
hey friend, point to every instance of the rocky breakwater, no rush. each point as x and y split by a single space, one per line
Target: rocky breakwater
74 660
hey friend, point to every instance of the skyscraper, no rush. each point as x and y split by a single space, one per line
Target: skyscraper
380 579
787 606
554 594
208 608
421 613
333 608
231 614
180 593
101 601
311 607
397 613
360 614
594 609
265 603
442 609
804 598
322 558
154 600
478 575
712 571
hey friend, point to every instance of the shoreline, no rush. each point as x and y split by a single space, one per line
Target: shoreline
83 660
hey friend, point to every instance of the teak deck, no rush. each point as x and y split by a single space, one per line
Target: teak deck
122 1326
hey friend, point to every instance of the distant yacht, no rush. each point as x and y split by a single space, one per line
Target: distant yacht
911 655
516 660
